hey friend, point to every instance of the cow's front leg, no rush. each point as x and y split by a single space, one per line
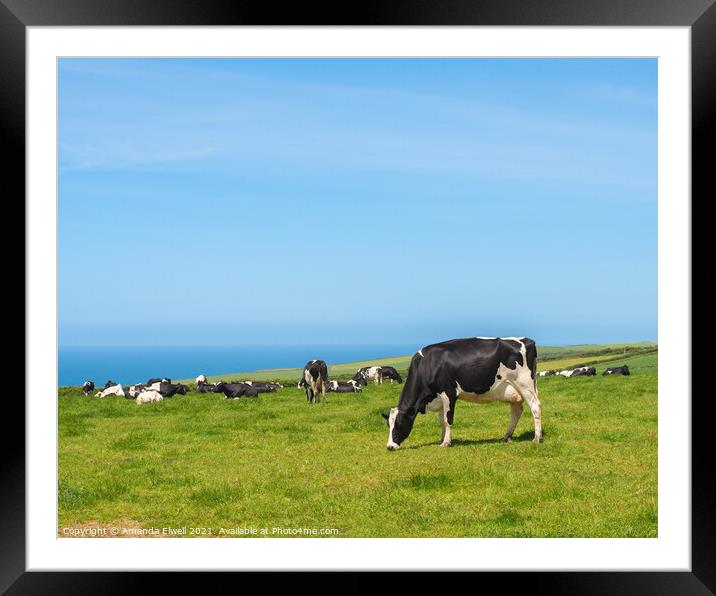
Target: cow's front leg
445 417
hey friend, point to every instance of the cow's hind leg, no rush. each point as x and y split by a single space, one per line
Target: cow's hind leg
529 394
515 413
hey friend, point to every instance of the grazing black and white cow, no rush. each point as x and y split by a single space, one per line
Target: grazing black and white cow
479 370
617 370
154 380
314 379
343 387
87 387
388 372
236 390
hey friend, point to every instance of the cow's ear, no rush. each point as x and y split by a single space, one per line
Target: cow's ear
384 415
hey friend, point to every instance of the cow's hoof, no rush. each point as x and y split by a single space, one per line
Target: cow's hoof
537 440
507 439
444 444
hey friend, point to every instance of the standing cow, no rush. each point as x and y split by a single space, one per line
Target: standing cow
314 379
87 387
479 370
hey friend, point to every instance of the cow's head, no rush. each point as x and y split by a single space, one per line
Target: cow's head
399 426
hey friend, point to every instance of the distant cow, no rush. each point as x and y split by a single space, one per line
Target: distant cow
154 380
547 373
343 387
208 388
314 379
580 371
109 384
388 372
134 391
201 379
149 396
236 390
87 387
617 370
369 374
113 390
169 389
479 370
262 387
359 377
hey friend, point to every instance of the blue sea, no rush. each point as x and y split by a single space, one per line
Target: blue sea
127 364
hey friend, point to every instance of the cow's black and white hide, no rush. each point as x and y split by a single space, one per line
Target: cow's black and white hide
547 373
148 396
236 390
155 380
133 391
109 384
314 379
479 370
617 370
359 378
343 387
581 371
170 389
111 390
87 387
200 379
207 388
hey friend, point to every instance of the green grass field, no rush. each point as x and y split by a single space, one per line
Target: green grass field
200 461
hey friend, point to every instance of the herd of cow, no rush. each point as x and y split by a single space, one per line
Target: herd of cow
478 370
156 389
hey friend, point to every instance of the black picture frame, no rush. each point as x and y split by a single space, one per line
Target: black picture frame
17 15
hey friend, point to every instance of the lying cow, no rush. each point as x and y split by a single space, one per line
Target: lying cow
155 380
134 391
388 372
479 370
148 396
113 390
343 387
547 373
584 371
314 379
359 378
617 370
236 390
207 388
87 387
169 389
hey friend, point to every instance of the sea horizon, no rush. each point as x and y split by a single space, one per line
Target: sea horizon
132 364
127 364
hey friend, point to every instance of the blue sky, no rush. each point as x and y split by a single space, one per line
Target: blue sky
343 201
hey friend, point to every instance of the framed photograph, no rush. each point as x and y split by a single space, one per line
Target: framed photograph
409 291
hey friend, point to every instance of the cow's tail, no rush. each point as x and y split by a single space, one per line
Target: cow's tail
531 354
